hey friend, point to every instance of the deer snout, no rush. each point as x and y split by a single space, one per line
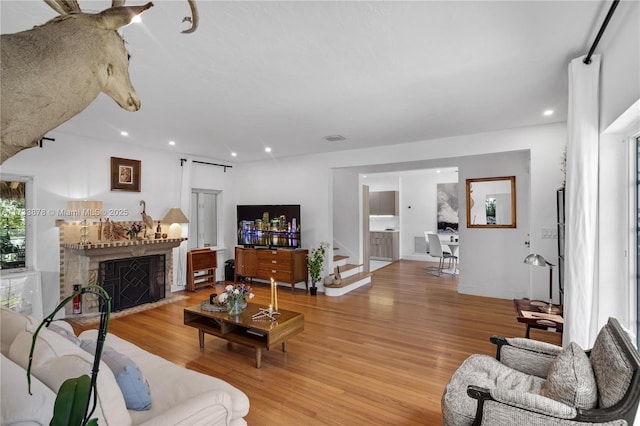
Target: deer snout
133 102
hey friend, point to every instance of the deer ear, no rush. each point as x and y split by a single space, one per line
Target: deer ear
116 17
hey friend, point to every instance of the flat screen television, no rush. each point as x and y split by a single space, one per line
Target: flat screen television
269 225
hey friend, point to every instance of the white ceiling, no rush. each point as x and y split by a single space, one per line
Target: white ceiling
286 74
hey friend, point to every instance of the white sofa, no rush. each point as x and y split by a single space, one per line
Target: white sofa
178 396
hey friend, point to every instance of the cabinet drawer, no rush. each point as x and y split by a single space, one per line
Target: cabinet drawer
274 259
277 255
276 274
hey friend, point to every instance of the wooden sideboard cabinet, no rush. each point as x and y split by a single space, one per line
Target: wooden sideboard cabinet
283 265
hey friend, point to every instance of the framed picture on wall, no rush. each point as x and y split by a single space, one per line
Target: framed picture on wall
448 208
125 174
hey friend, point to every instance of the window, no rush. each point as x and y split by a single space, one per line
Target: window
203 223
15 222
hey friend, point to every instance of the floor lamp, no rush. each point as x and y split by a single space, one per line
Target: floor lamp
538 260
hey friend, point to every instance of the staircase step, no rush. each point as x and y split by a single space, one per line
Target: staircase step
340 260
348 270
349 284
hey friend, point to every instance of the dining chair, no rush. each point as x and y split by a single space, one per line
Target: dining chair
435 250
426 238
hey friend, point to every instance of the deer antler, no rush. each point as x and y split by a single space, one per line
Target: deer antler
193 18
64 7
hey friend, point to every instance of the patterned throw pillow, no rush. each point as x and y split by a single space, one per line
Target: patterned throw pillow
571 379
132 383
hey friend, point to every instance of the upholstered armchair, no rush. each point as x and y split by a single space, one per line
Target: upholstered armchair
536 383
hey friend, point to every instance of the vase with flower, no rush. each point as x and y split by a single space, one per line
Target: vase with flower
235 296
134 230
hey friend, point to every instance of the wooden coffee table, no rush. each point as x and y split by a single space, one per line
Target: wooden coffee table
528 312
260 333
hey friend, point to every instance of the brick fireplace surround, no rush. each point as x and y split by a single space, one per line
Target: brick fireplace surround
79 263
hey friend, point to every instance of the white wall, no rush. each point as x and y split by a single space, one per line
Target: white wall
418 208
620 89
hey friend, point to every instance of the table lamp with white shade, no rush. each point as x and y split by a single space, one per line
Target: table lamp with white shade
175 217
538 260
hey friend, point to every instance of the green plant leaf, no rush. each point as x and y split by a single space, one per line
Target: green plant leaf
71 402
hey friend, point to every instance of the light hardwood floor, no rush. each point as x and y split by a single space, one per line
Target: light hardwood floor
380 355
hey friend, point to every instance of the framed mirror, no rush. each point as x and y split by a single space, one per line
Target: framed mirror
491 202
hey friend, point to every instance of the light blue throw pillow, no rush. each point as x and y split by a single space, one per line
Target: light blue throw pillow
132 383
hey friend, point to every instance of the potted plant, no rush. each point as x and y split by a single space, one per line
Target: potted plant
315 262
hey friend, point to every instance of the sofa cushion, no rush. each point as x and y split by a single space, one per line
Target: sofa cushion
571 379
18 407
612 369
110 409
481 370
48 345
172 385
56 359
12 323
57 327
134 387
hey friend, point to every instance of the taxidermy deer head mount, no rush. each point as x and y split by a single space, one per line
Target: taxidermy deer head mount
54 71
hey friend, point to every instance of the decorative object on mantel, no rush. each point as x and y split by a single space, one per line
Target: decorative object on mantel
174 218
315 261
134 230
84 210
538 260
235 297
148 221
114 231
125 174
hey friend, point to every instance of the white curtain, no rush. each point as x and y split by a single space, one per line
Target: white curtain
179 274
582 287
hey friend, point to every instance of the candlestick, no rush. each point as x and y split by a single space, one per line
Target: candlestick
276 295
271 301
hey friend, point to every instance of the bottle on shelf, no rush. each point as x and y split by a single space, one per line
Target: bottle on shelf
158 231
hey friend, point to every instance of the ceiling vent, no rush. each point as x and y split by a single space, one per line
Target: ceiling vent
334 138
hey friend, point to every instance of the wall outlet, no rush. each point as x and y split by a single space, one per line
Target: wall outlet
549 233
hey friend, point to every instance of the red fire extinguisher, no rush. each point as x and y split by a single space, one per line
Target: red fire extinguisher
77 301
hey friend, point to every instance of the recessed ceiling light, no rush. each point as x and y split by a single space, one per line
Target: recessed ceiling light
334 138
267 149
172 143
437 171
123 133
548 112
136 19
234 154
